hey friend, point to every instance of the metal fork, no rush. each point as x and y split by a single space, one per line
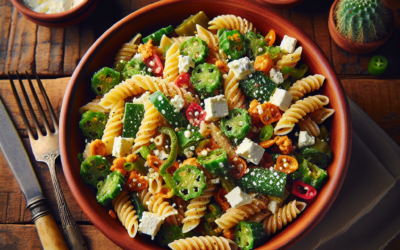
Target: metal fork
46 149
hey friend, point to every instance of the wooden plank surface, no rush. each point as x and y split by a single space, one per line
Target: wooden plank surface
56 51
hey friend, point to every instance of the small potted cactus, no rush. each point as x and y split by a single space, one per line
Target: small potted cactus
360 26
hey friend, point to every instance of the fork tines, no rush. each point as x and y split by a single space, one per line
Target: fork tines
38 104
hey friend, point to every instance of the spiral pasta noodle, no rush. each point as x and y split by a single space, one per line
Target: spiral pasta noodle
144 196
305 86
126 52
161 207
233 216
284 216
93 106
231 22
207 242
212 42
171 70
180 39
125 212
196 208
319 116
233 93
289 60
155 182
123 90
114 126
151 121
297 111
310 126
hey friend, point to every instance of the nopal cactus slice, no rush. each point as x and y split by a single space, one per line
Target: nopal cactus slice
363 21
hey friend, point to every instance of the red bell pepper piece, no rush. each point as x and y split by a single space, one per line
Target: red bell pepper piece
304 191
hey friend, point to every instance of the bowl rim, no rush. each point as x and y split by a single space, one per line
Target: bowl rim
345 130
21 7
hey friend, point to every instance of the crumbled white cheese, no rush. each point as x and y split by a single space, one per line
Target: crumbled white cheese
122 146
282 99
86 154
163 155
237 198
216 107
272 206
250 150
178 102
276 76
138 57
142 98
51 6
305 139
288 44
260 110
185 63
215 181
150 223
241 68
187 134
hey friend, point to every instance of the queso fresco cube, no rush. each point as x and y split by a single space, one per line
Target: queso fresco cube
216 107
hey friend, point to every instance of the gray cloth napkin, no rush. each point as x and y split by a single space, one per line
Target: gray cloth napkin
365 215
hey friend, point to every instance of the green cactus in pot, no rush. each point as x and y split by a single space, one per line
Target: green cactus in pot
363 21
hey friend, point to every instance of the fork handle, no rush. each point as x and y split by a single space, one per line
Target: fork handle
75 238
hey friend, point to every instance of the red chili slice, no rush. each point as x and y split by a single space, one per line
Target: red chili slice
239 166
304 191
155 64
195 114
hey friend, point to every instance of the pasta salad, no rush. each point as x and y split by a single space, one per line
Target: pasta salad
192 138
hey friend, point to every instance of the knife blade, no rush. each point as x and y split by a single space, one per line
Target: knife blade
17 159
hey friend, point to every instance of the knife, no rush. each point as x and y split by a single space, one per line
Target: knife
18 160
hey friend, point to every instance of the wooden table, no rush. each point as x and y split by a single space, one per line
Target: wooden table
56 52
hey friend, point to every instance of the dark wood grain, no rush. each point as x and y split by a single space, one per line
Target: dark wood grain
70 44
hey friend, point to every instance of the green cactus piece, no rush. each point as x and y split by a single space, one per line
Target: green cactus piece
363 21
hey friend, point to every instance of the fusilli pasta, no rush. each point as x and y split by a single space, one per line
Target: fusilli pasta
126 213
318 116
305 86
180 39
155 182
234 215
297 111
207 242
231 22
144 196
212 42
233 94
171 70
196 208
284 216
289 60
123 90
151 121
126 52
114 126
161 207
310 126
93 106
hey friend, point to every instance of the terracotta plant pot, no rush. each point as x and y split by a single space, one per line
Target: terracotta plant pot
63 19
152 18
279 4
348 45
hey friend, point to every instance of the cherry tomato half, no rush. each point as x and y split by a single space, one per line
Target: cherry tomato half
253 111
239 166
195 114
270 37
286 164
270 113
183 80
221 200
155 64
266 161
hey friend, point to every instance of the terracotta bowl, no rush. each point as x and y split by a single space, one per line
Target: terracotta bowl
152 18
63 19
348 45
279 4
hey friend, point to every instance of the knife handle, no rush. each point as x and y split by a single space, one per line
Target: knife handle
49 233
